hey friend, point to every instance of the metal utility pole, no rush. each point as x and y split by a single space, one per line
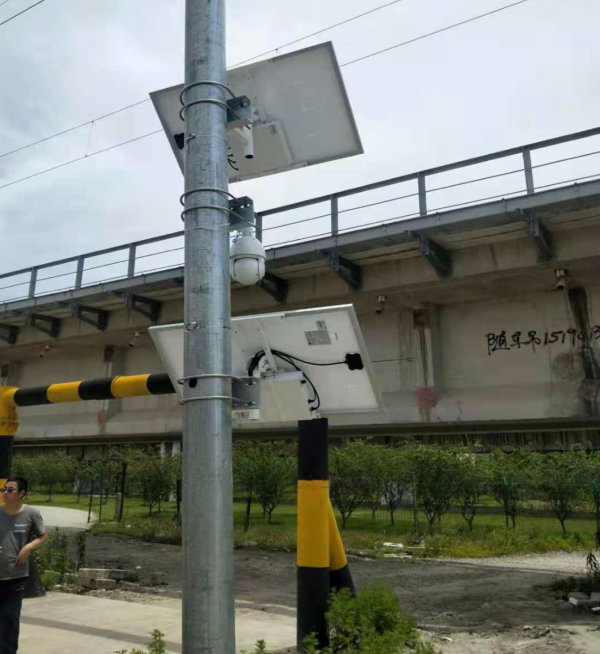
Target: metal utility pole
208 596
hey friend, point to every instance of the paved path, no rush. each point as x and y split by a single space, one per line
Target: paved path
64 518
61 623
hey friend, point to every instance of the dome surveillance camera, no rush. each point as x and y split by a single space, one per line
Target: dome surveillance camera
247 260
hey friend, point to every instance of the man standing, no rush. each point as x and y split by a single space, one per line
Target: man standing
21 532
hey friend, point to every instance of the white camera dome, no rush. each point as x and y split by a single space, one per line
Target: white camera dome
247 260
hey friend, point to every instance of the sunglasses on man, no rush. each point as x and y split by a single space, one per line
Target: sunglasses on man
8 491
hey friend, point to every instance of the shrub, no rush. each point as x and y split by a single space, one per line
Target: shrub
369 623
55 556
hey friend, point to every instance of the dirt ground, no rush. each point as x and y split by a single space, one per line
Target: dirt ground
489 606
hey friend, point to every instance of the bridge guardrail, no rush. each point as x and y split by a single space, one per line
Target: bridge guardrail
129 260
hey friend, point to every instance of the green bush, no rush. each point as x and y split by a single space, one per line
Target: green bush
56 557
49 579
369 623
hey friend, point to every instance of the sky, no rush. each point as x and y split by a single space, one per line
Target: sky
529 73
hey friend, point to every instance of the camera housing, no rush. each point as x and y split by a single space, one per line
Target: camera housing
247 260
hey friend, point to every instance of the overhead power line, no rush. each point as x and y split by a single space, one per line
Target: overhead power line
71 129
135 104
325 29
87 156
21 12
3 3
424 36
348 63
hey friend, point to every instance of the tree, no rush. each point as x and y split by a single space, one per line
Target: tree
471 481
374 474
153 474
593 473
245 456
561 481
52 469
435 472
511 477
349 485
26 467
396 477
275 470
82 477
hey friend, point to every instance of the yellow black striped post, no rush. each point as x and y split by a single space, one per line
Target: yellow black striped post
339 572
8 426
313 530
109 388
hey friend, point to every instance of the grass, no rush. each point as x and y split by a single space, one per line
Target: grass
537 532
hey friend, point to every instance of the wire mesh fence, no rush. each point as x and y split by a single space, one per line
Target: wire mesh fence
534 518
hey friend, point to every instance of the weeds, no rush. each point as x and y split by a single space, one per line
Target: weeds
156 645
55 557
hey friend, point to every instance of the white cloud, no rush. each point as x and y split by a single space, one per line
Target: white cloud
524 74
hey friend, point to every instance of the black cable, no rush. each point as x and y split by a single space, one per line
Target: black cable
68 163
21 12
285 357
324 29
310 363
66 131
424 36
317 397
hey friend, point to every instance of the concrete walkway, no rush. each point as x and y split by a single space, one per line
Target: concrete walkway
61 623
64 518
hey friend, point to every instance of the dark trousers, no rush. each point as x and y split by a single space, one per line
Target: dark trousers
11 600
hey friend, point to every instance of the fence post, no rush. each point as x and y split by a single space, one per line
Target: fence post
334 215
32 282
422 194
122 498
528 171
313 530
131 263
79 273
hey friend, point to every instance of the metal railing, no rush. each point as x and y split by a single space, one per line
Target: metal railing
28 280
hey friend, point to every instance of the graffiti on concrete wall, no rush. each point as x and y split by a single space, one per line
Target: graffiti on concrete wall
503 341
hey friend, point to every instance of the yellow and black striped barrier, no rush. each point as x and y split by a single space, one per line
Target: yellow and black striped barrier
109 388
8 426
321 559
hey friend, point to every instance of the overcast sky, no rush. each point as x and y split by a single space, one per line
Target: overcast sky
528 73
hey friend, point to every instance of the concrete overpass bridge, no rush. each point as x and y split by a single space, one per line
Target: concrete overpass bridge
459 303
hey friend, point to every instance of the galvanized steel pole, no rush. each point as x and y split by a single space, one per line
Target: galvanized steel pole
208 600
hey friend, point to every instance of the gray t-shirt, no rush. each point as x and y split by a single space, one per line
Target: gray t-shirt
16 531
